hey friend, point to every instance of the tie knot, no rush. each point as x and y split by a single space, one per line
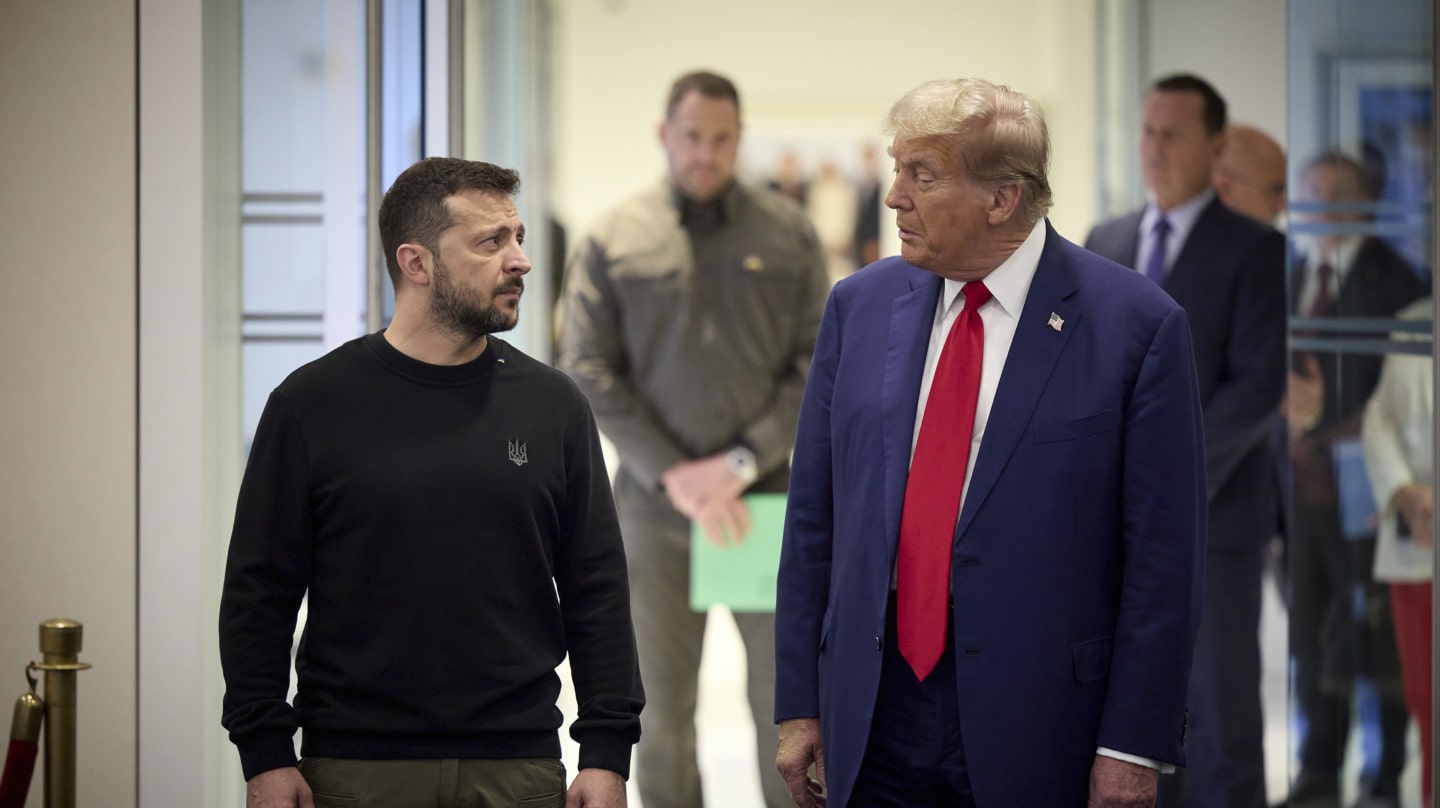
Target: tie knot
1162 226
976 294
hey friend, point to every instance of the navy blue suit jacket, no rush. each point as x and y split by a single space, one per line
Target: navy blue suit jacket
1230 279
1077 554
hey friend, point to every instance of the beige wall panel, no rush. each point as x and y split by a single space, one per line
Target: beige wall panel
844 61
67 435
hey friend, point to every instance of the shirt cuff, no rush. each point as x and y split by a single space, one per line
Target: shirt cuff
1165 768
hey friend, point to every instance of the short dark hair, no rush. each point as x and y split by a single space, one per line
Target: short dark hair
1214 108
710 85
414 209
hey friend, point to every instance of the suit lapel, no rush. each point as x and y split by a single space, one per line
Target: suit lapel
912 318
1033 355
1190 268
1127 248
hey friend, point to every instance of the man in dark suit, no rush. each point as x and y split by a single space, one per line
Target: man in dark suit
990 581
1227 271
1343 275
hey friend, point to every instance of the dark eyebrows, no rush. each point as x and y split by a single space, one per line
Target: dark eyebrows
499 232
493 232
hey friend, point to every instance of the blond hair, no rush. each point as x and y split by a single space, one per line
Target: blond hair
1001 134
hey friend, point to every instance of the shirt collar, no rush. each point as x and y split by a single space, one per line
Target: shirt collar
1008 283
688 210
1340 257
1182 217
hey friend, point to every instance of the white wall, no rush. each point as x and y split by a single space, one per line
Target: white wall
797 63
1236 45
189 391
67 435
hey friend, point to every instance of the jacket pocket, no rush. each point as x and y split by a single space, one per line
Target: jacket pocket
1092 659
645 269
1056 431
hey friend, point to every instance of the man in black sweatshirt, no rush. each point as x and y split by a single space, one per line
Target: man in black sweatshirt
441 498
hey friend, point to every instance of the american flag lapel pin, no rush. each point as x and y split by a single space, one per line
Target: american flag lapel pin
1055 322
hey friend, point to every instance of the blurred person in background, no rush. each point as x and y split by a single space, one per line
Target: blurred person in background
690 318
1249 177
1343 274
1226 270
1399 438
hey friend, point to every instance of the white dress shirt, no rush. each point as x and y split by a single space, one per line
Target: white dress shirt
1182 220
1009 285
1340 257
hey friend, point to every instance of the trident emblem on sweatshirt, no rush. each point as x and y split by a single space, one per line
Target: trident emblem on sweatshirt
517 453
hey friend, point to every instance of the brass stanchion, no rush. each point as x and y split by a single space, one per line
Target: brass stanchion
60 641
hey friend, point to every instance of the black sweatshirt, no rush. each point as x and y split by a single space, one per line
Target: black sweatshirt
456 534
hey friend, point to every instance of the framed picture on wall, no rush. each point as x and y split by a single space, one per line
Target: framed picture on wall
1385 117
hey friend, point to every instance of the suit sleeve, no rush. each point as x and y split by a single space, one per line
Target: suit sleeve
592 352
1164 527
1241 407
772 434
803 588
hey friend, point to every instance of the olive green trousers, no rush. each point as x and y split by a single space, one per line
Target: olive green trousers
448 783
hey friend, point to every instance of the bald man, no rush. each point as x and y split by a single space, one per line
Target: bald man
1249 177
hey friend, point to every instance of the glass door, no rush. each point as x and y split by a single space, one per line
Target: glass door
1360 403
311 77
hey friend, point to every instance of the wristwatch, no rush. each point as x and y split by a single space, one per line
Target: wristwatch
741 462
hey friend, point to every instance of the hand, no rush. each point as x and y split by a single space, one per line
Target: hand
278 788
799 747
1117 783
726 521
1416 504
691 484
596 788
1304 400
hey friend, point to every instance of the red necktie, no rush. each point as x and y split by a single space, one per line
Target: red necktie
932 493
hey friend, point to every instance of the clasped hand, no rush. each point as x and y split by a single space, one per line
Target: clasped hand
707 492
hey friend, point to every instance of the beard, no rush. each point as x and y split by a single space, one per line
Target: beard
463 314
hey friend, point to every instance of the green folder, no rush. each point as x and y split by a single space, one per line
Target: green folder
742 576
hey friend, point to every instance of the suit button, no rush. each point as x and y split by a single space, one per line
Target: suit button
878 644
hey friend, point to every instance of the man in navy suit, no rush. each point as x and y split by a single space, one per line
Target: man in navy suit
1342 274
1228 272
1039 655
